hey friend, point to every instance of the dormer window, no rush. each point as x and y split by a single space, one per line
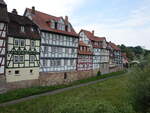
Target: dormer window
56 25
69 28
66 28
22 29
32 29
52 25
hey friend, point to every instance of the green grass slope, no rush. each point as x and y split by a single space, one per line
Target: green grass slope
110 96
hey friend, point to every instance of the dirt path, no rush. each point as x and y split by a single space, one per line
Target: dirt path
54 92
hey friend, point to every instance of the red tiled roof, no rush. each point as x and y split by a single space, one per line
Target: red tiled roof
92 37
114 46
41 20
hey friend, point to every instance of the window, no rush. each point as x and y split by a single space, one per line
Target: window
52 63
54 49
45 49
66 28
22 43
16 42
31 71
72 50
56 25
21 59
32 29
52 24
71 62
16 59
32 58
44 63
32 44
58 62
60 50
65 62
22 29
17 72
67 50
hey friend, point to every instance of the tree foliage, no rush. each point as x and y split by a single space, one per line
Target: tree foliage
134 52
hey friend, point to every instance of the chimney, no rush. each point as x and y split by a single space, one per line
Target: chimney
66 18
33 10
93 32
14 11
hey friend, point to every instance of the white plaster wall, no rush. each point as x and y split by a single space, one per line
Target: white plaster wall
24 74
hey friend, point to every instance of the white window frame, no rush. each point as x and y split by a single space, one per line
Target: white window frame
22 29
32 58
16 59
21 60
32 42
15 42
20 42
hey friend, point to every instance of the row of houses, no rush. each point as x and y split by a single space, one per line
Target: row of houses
41 43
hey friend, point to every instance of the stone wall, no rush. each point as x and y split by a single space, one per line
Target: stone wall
48 79
115 69
22 84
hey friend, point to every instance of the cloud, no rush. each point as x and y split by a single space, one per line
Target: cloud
54 7
132 30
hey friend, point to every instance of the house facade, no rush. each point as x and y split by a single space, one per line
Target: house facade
23 49
85 57
59 42
3 36
115 56
99 48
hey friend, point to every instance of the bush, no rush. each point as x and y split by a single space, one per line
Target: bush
98 73
139 88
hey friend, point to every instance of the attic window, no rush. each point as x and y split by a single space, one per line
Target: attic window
22 29
32 30
55 25
66 27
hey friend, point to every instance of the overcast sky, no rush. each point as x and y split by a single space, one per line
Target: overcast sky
120 21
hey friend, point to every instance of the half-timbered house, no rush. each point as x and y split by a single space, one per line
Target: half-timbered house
3 37
100 51
23 49
59 42
85 57
115 56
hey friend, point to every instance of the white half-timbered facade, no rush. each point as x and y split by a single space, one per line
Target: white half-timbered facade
99 48
3 36
59 42
115 56
23 49
85 57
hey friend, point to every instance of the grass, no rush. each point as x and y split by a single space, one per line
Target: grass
20 93
109 96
